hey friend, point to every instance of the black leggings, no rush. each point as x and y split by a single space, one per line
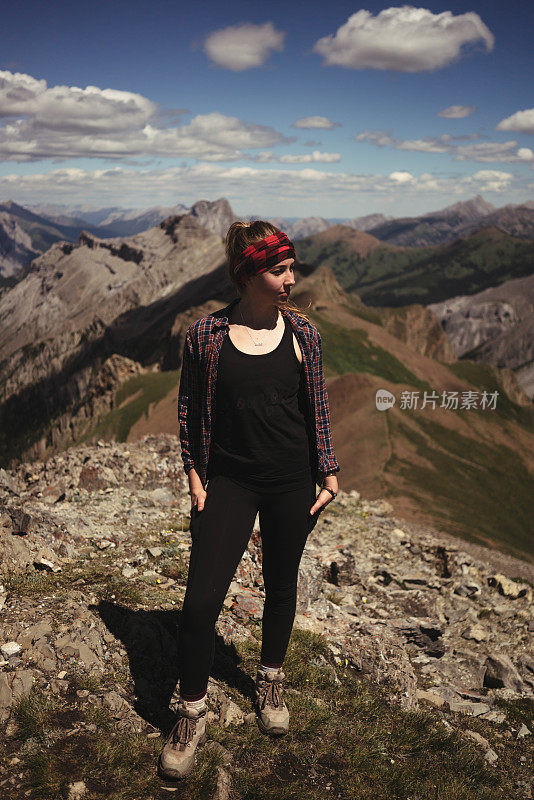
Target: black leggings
220 534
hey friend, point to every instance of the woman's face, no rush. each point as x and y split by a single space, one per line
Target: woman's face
274 284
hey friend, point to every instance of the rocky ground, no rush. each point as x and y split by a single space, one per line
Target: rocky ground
95 545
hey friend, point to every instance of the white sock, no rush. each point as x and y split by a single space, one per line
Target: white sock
263 669
194 704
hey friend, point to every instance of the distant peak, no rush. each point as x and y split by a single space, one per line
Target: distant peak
475 206
10 205
202 207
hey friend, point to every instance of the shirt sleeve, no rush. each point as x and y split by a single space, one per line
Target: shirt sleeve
324 429
189 394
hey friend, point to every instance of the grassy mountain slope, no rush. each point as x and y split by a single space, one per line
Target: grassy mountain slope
391 276
468 471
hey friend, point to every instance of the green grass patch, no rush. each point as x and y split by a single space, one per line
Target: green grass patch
96 575
173 563
476 490
352 351
116 424
481 376
362 312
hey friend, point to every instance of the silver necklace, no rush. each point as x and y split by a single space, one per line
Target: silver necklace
257 344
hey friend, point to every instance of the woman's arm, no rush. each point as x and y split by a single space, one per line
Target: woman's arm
329 465
189 403
189 409
324 428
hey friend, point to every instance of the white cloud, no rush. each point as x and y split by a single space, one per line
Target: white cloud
402 177
507 152
64 122
522 121
525 154
69 108
404 39
307 157
316 122
212 137
490 180
240 184
243 46
456 112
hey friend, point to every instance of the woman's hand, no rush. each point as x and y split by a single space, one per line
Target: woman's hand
324 497
198 498
196 490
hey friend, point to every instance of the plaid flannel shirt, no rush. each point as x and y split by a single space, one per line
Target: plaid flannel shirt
196 394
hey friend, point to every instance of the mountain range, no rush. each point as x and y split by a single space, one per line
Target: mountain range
28 232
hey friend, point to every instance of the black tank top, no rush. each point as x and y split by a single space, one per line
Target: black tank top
259 437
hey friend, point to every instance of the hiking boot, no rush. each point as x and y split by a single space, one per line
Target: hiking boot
178 756
272 712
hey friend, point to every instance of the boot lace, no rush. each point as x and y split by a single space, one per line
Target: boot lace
184 730
271 691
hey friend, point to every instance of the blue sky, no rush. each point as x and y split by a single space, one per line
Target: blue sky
337 110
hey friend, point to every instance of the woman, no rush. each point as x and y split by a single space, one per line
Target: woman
255 437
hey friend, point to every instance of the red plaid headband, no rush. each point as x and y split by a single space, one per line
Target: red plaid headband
262 255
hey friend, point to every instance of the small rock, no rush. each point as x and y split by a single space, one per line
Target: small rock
128 572
10 649
510 588
77 790
476 737
501 672
248 607
465 707
494 716
523 731
475 632
6 695
431 697
218 748
102 544
467 589
230 713
45 565
21 521
416 579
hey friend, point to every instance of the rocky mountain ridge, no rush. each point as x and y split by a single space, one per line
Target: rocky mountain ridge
74 294
81 304
25 235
